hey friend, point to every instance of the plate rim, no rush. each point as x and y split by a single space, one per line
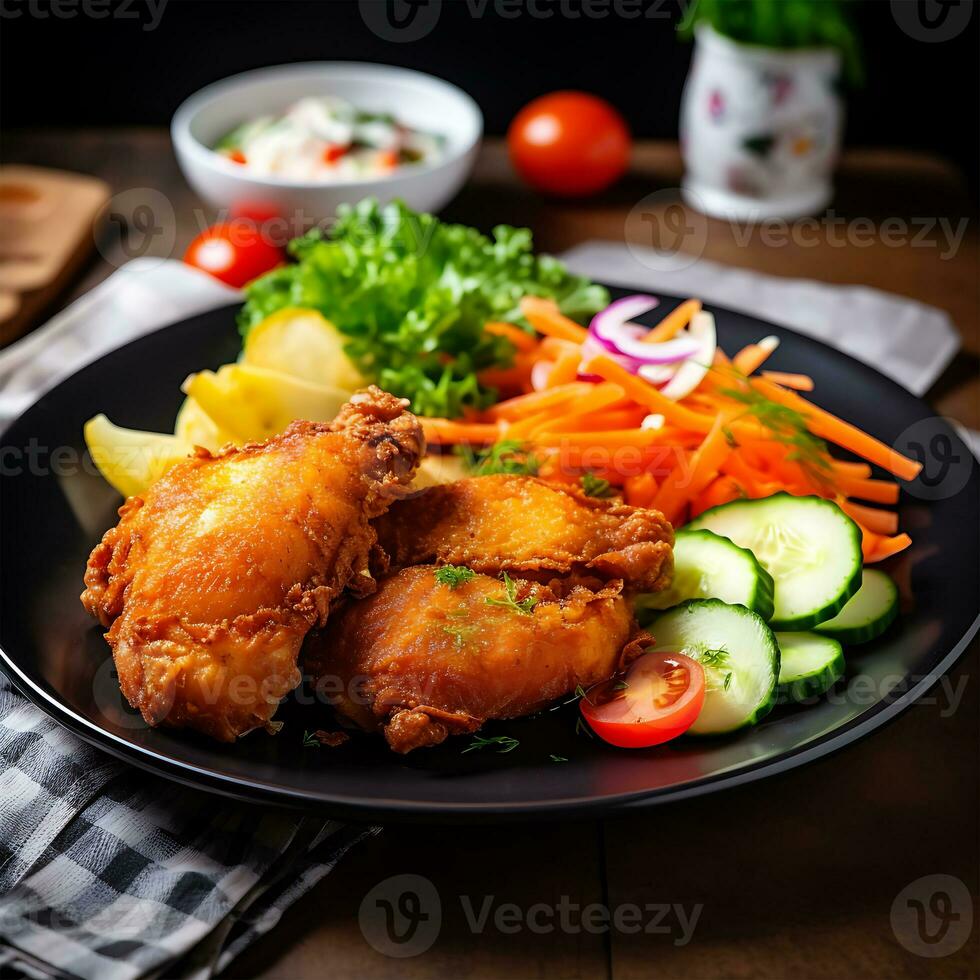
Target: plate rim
255 791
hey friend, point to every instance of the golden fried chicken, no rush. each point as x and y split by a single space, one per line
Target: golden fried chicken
522 524
212 579
425 657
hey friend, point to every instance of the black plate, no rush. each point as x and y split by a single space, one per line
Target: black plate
54 509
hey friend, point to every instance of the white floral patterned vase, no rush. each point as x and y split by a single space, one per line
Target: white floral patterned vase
760 129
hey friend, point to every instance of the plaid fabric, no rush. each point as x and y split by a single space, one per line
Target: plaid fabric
111 874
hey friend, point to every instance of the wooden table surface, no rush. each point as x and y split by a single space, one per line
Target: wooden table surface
791 877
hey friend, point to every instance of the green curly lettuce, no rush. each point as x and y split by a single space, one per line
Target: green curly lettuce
413 294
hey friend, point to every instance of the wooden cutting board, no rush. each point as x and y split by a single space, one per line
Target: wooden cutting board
47 229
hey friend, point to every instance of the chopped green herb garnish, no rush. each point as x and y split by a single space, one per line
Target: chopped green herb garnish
709 656
580 692
507 456
310 741
557 758
503 743
594 486
728 679
620 686
525 606
453 575
460 634
787 426
582 729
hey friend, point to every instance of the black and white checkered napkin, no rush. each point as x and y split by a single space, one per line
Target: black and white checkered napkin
112 874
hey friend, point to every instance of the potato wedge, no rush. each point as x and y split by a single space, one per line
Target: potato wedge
302 343
130 459
251 403
196 427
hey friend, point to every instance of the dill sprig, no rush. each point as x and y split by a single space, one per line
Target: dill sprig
595 486
508 456
525 606
503 743
453 576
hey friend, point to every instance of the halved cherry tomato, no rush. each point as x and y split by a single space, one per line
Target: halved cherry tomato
235 251
569 143
658 698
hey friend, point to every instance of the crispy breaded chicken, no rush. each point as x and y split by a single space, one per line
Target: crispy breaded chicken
212 579
420 660
524 525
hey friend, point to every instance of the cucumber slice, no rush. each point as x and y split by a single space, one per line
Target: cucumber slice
809 546
809 665
707 566
868 613
738 653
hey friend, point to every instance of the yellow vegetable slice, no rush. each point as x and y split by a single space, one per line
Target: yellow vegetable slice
251 403
196 427
302 343
437 469
130 459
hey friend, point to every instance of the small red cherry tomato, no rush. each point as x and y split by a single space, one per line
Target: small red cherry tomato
658 698
569 143
235 251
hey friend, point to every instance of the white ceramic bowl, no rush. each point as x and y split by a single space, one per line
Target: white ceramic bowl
420 101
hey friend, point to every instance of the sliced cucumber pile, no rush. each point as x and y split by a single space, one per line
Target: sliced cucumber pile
809 546
738 653
809 665
707 566
868 613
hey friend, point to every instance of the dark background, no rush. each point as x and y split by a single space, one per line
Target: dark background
112 71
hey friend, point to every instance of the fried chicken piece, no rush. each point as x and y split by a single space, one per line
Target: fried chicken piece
522 524
212 579
420 660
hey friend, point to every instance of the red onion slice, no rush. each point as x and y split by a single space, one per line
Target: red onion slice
612 329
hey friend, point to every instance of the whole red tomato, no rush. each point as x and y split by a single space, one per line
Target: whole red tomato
569 144
235 251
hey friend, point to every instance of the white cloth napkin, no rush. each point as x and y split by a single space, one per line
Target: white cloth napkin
139 297
910 342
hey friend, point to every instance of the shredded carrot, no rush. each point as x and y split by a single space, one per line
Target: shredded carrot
859 471
644 393
505 379
522 428
836 430
752 357
674 322
565 370
688 481
547 319
607 439
798 382
619 418
521 339
886 547
450 431
721 490
879 521
640 489
877 491
536 401
553 347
